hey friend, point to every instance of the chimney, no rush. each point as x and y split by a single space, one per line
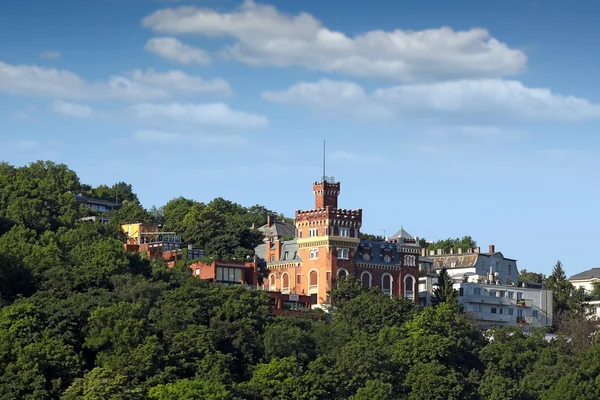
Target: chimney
432 252
423 252
439 252
478 250
270 220
253 227
277 249
492 248
452 250
459 250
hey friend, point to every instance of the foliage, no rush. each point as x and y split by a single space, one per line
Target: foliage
530 276
82 319
444 291
466 242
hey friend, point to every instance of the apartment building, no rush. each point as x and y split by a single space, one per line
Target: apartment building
490 304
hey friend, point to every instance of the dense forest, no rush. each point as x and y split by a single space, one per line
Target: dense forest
82 319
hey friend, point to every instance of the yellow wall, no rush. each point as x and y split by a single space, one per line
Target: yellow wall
133 231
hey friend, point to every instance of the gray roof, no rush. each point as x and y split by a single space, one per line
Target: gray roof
278 229
402 234
291 246
590 273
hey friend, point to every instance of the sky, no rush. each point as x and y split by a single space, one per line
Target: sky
447 118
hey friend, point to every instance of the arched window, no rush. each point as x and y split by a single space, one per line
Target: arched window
342 272
313 282
386 284
272 282
409 287
285 283
387 259
365 279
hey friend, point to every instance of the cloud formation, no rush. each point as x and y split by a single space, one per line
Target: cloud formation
266 36
198 140
493 98
32 80
172 49
71 109
211 114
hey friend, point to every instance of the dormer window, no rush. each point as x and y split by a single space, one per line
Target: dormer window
286 255
387 259
366 257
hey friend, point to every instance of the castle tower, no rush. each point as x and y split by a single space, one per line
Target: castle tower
328 237
326 193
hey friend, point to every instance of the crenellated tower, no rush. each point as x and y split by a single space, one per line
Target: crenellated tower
327 238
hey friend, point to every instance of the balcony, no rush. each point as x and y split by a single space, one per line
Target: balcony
525 303
485 316
498 301
285 290
313 289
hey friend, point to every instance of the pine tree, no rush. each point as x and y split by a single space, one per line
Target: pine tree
444 292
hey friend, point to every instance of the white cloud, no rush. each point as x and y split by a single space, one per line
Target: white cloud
32 80
172 49
71 109
196 140
50 55
266 36
211 114
489 98
180 82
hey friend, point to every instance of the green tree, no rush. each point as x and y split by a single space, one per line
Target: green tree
527 276
444 291
563 291
187 389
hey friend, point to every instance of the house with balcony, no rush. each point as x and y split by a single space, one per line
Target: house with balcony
98 205
493 304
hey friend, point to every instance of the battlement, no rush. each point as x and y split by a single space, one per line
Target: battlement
326 185
326 193
329 213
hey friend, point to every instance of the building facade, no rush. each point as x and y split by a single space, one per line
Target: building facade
488 305
586 280
460 262
328 245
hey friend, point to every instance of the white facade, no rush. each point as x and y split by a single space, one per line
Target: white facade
492 264
497 305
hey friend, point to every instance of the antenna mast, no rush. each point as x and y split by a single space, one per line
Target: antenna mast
324 176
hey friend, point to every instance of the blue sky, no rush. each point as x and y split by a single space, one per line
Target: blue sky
448 118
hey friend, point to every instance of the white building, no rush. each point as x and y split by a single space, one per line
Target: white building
490 305
461 262
586 279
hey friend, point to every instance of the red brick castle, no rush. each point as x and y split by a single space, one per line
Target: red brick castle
328 245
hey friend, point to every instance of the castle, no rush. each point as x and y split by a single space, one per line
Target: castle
327 245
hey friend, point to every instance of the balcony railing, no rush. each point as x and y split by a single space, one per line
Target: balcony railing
313 288
285 290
